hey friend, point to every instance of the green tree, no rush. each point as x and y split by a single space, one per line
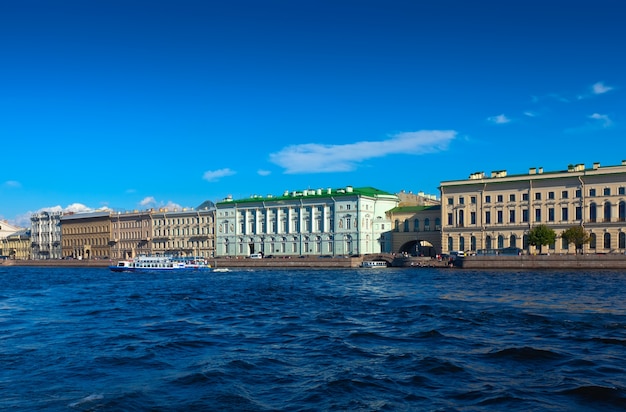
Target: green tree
576 235
541 235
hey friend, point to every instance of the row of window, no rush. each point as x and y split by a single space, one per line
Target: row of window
551 217
500 242
538 196
416 225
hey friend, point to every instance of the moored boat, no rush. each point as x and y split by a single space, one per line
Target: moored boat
373 264
161 263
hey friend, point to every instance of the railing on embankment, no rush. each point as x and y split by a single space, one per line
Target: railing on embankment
590 261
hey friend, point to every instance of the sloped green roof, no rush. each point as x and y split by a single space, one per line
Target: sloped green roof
315 194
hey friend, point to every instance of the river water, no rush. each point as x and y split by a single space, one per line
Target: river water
417 339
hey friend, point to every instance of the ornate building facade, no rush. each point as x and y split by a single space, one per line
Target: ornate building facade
334 222
46 235
498 211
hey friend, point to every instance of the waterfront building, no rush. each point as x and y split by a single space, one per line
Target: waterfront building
16 246
131 233
86 235
416 230
125 235
6 230
186 232
334 222
498 211
46 235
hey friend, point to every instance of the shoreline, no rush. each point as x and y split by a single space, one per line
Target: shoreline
537 262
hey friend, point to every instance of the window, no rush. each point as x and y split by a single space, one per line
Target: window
592 192
461 200
473 200
593 212
537 215
537 196
416 225
621 191
500 197
607 241
488 217
406 225
525 215
473 218
592 241
579 193
461 243
607 191
564 194
579 213
551 195
450 222
450 201
461 218
511 216
487 199
512 198
564 214
622 240
499 214
525 197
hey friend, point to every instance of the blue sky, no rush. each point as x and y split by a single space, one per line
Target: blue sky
138 104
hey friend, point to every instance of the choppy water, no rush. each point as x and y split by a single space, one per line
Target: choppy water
308 340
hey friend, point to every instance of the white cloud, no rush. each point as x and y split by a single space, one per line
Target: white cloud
318 158
147 201
12 184
530 114
600 88
264 172
499 119
604 119
215 175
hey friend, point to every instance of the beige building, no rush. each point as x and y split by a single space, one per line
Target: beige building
497 211
416 230
125 235
86 235
17 245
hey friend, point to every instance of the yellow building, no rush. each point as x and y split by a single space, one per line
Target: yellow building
17 245
498 211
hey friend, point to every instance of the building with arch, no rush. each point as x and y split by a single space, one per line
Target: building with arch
334 222
498 211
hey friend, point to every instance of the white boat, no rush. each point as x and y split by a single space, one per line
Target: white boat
142 264
373 264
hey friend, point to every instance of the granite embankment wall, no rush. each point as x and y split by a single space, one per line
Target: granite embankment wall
609 261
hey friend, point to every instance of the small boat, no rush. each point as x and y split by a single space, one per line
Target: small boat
221 270
373 264
142 264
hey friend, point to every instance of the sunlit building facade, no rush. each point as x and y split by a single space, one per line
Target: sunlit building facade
333 222
498 211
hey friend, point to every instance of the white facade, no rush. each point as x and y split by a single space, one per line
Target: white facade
335 222
46 235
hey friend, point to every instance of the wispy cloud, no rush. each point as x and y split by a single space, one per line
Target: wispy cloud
598 122
499 119
215 175
600 88
603 120
319 158
12 184
530 114
262 172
